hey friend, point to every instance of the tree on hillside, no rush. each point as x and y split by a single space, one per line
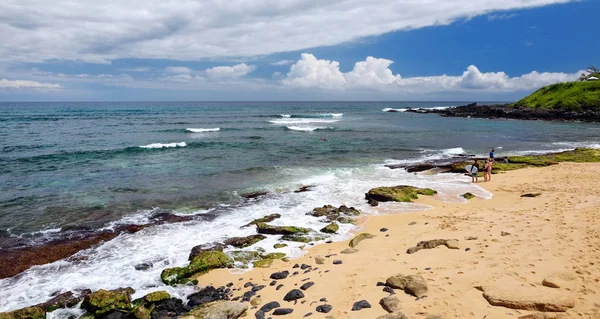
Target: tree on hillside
591 71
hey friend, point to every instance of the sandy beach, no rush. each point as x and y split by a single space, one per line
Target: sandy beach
515 243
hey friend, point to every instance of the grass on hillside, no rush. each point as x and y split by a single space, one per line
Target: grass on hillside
575 96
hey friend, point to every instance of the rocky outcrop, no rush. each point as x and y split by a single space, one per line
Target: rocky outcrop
400 193
529 298
64 300
505 111
266 219
208 294
331 228
411 284
218 310
204 262
358 238
243 242
429 244
25 313
200 249
340 214
104 301
263 228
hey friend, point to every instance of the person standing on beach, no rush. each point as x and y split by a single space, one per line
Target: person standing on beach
473 172
487 170
492 154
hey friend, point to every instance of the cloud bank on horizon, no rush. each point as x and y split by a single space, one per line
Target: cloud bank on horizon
90 32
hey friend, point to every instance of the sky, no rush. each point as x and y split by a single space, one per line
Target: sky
193 50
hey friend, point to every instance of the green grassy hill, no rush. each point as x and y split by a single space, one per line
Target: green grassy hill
576 96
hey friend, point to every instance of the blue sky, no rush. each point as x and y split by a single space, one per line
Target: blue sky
293 50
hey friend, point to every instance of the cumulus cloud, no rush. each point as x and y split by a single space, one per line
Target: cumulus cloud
235 71
24 84
100 31
375 74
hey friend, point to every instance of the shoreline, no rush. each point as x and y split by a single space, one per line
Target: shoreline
444 221
507 251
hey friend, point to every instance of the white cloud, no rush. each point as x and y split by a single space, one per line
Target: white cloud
24 84
178 69
100 31
138 69
283 62
375 74
235 71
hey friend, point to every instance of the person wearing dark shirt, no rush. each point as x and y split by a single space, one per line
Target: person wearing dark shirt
492 154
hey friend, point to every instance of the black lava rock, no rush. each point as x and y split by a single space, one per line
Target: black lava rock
248 295
278 287
296 266
305 266
143 266
259 315
361 305
337 262
248 284
280 275
293 295
269 306
389 290
258 287
379 284
324 308
282 311
229 285
207 294
169 307
383 230
323 300
115 314
273 283
308 315
307 285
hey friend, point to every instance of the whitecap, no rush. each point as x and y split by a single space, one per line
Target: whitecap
388 109
161 145
201 130
306 128
302 121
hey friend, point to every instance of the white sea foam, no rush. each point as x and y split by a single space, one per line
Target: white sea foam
160 145
302 121
111 265
202 130
388 109
285 115
306 128
333 114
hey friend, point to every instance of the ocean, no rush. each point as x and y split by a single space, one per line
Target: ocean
100 165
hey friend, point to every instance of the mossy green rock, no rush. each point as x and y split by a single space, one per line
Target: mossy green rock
277 246
332 213
201 264
400 193
263 228
156 296
266 219
331 228
468 195
298 239
243 242
103 301
357 239
264 263
25 313
142 312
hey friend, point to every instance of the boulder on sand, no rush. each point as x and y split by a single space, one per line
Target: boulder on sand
263 228
217 310
331 228
390 304
201 264
528 298
400 193
411 284
243 242
429 244
358 238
